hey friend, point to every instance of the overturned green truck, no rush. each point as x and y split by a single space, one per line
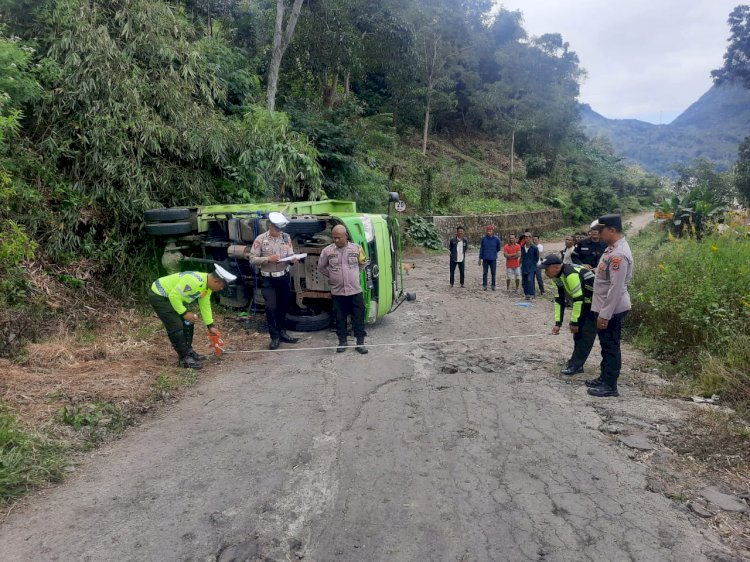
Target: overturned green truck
198 237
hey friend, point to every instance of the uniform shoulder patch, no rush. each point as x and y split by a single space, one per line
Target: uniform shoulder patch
615 262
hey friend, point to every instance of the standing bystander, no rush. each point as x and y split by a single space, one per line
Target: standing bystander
529 260
512 253
488 250
458 246
539 277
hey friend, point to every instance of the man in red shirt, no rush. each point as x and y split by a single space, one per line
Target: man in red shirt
512 253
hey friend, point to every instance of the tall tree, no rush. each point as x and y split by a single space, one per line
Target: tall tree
282 37
737 57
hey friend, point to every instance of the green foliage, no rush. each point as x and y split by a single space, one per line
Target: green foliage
275 159
693 213
27 460
738 51
15 245
742 171
691 301
421 232
97 420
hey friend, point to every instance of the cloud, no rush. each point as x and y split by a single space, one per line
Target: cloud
644 58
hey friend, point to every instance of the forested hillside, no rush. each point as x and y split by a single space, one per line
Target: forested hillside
712 128
110 108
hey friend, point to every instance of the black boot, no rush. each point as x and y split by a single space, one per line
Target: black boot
189 363
342 346
286 338
604 391
195 355
361 346
593 383
188 331
274 344
183 350
570 371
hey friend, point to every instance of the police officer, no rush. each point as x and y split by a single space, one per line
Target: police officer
266 254
589 251
577 283
168 297
610 302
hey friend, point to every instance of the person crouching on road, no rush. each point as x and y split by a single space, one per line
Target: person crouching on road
342 262
168 297
268 254
577 283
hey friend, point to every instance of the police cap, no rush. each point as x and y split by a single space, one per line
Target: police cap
611 221
224 275
278 220
552 259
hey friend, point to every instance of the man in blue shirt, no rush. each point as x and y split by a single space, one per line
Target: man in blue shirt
488 250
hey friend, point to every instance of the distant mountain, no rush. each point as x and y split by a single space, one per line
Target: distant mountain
711 128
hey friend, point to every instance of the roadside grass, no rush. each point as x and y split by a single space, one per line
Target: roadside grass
168 383
27 459
691 305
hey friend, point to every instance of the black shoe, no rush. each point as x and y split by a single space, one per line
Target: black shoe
485 288
187 362
603 391
593 383
286 338
195 355
462 285
493 288
451 285
362 349
342 346
570 371
274 344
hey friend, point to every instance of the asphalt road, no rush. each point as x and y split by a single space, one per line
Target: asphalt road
462 451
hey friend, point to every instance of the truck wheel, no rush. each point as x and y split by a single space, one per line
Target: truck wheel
307 226
168 228
166 215
311 322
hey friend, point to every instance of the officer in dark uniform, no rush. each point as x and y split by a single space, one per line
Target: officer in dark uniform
589 251
577 283
610 302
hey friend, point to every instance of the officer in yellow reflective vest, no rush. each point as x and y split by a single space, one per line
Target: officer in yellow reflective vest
169 296
577 282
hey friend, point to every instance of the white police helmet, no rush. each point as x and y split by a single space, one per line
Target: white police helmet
278 220
224 275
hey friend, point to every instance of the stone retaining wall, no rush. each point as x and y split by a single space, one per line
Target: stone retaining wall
535 221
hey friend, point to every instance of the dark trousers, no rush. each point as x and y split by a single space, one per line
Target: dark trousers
492 266
350 305
527 279
609 339
584 340
278 297
461 270
540 279
179 332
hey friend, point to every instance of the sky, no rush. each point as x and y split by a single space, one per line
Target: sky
645 59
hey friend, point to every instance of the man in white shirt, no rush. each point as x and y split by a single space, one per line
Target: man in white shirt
458 246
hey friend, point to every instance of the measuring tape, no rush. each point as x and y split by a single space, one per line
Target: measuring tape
369 345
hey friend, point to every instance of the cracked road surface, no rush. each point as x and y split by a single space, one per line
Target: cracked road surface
456 452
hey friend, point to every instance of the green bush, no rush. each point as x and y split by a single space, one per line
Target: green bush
27 460
691 302
421 232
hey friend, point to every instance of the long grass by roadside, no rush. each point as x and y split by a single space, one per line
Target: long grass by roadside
27 459
691 304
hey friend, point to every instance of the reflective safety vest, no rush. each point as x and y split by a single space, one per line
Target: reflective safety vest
578 283
184 288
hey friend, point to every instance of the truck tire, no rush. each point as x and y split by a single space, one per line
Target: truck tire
168 228
307 226
308 322
166 215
